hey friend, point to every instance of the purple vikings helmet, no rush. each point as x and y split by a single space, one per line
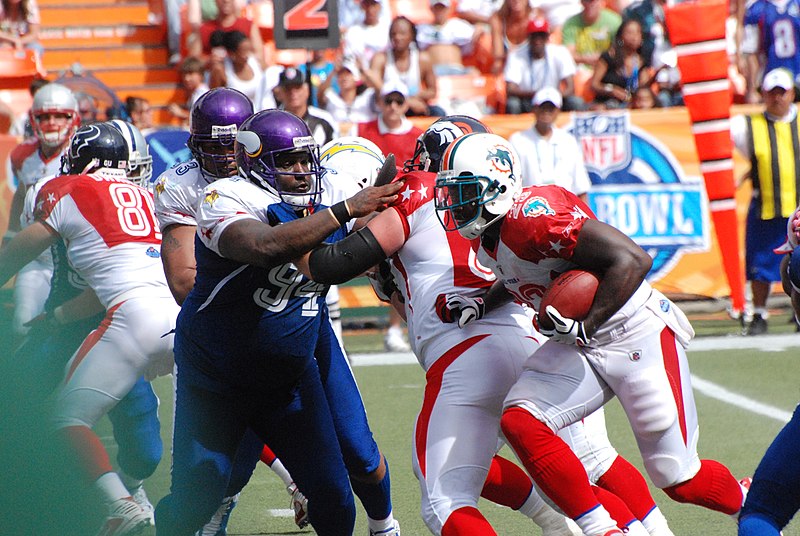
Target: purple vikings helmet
213 123
268 136
432 143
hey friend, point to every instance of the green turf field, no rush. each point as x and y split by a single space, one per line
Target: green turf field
730 433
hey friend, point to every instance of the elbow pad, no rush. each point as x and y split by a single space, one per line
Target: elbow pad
332 264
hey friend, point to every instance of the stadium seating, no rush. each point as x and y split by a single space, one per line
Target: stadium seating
464 92
19 68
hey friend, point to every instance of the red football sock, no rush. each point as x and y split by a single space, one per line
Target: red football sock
267 456
626 482
615 506
550 462
467 521
506 484
713 487
89 451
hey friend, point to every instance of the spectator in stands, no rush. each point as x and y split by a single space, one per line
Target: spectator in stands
536 65
192 80
228 19
548 154
364 40
643 99
353 103
589 33
404 62
447 40
477 11
140 112
294 91
772 33
322 69
351 13
239 69
621 69
87 108
509 27
19 25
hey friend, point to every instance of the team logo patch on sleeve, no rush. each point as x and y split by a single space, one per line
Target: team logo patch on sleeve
537 206
161 185
211 197
153 252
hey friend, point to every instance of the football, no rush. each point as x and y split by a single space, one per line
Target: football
572 293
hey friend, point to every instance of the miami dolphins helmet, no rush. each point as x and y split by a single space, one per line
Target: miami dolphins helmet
477 183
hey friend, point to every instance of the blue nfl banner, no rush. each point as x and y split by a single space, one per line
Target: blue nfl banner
639 187
167 147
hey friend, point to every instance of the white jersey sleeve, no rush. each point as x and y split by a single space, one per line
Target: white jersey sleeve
177 193
227 201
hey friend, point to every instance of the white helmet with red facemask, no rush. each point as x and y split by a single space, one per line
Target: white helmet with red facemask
54 99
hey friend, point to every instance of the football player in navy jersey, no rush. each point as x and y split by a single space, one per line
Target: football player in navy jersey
250 330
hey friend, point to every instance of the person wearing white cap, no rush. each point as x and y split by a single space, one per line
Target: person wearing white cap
548 153
536 65
354 102
769 140
447 39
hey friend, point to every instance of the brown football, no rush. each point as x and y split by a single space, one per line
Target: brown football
571 293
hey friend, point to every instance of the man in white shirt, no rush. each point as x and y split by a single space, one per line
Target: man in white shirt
538 64
548 154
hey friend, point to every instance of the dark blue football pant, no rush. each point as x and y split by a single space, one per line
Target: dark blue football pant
774 496
209 427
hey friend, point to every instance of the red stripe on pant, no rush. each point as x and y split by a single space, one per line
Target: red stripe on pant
92 339
433 385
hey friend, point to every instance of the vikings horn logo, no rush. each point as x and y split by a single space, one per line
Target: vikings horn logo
537 206
500 159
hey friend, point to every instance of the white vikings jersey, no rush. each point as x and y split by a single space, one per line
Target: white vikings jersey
228 200
112 236
28 165
442 263
177 194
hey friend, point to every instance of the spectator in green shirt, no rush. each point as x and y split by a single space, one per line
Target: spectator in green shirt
589 33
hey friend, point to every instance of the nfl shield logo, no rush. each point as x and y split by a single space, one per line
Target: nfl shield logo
605 140
635 355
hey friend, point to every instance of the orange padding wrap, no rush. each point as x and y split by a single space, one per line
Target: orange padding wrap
708 106
693 22
703 67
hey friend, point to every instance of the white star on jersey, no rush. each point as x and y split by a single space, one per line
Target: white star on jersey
578 213
51 198
407 193
423 191
556 246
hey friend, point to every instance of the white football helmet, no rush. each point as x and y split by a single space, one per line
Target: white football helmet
54 98
354 157
477 183
140 163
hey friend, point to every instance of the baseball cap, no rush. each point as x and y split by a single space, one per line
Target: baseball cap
351 65
547 94
777 78
394 86
538 25
291 77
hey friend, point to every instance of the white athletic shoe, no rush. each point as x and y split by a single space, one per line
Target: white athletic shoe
394 530
125 517
394 341
299 504
140 498
218 525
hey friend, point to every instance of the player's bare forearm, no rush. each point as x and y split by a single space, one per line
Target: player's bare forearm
620 262
177 256
81 306
496 296
23 248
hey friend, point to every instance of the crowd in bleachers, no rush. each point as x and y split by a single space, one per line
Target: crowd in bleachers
598 56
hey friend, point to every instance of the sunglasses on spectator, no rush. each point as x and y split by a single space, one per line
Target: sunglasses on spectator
394 99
